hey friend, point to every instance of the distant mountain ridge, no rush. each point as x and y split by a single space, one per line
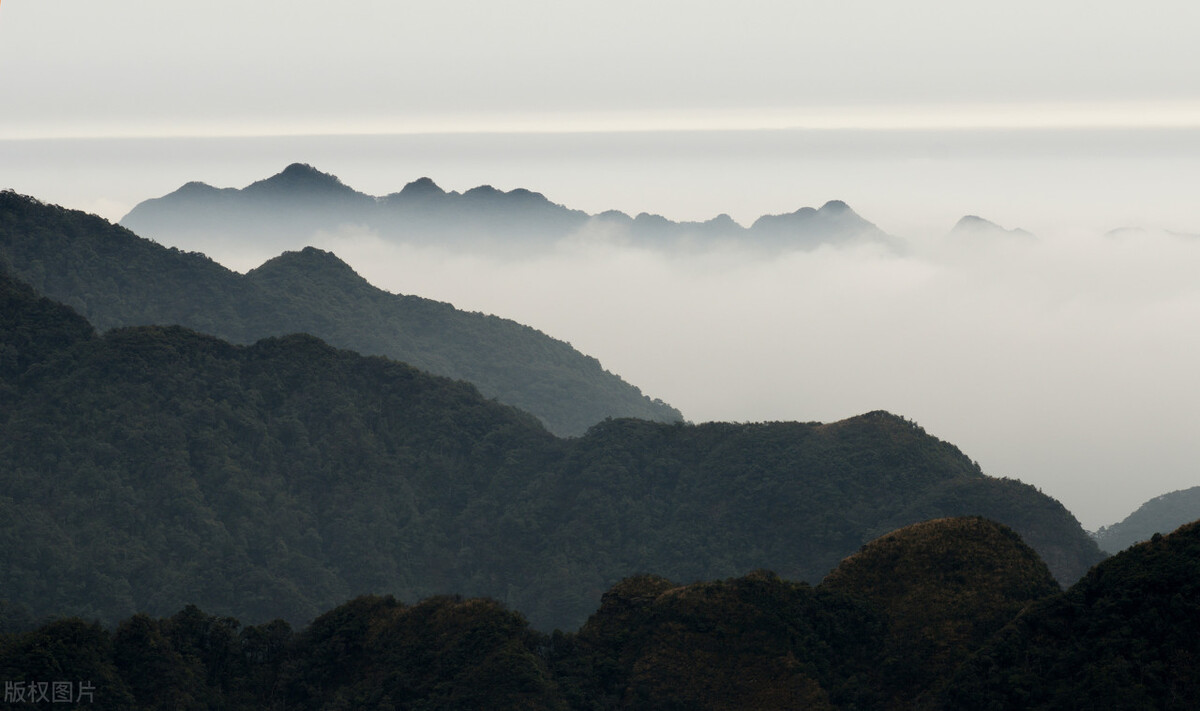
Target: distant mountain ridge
1160 515
116 278
283 210
975 226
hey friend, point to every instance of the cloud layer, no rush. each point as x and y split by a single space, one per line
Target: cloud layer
1064 360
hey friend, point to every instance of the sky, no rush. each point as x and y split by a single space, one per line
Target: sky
1065 361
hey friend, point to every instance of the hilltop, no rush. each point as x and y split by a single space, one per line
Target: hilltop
947 614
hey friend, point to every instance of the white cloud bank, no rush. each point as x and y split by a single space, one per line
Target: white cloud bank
1067 360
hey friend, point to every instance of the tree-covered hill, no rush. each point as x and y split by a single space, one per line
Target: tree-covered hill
1162 514
151 467
944 587
1123 637
967 589
115 278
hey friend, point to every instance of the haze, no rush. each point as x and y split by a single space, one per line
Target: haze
1066 361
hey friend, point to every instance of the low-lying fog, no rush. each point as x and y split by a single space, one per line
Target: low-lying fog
1065 360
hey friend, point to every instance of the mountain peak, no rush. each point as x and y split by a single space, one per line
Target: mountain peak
421 187
976 225
308 263
300 178
835 207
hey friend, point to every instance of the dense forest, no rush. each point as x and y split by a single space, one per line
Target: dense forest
948 614
152 467
116 278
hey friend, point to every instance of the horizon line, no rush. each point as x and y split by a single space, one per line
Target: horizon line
942 117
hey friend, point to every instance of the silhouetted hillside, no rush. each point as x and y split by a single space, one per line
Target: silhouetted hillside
115 278
154 466
944 588
1162 514
1123 637
946 615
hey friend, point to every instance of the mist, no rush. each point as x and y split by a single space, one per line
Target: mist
1065 360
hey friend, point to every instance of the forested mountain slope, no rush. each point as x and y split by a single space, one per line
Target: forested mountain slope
1123 637
951 600
151 467
1162 514
115 278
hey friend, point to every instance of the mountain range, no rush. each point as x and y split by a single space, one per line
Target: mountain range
285 211
149 467
948 614
116 278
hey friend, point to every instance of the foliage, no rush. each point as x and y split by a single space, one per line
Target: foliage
972 605
944 587
153 467
115 278
1122 637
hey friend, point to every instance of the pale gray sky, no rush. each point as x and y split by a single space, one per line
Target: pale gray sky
81 67
1067 362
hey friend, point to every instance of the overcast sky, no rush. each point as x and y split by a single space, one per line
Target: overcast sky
1067 362
131 67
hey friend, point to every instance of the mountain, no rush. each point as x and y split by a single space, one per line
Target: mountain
972 226
1123 637
287 210
944 587
150 467
1162 514
271 213
861 639
115 278
833 223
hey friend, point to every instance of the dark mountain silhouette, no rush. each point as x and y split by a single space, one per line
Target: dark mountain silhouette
115 278
151 467
1123 637
944 588
1162 514
285 211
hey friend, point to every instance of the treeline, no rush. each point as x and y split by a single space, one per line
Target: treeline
967 617
151 467
115 278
